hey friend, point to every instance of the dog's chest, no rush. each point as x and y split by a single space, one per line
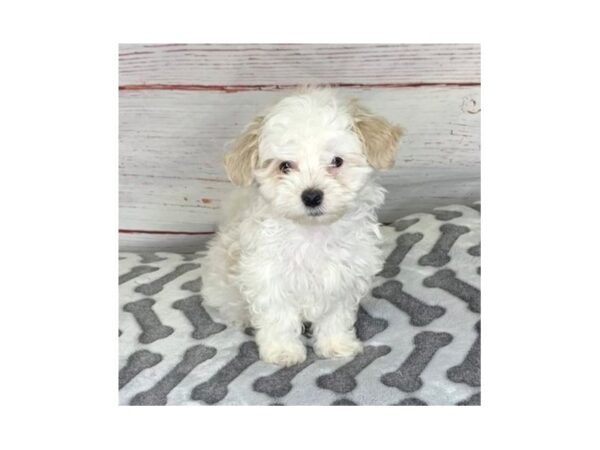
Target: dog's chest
313 246
325 254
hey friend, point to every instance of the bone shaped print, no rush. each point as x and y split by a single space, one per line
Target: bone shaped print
407 376
446 280
469 371
473 400
152 328
403 224
136 272
438 256
138 361
343 380
443 215
343 402
149 257
420 313
191 256
475 250
412 401
157 395
280 383
367 326
216 389
198 317
156 286
404 243
193 285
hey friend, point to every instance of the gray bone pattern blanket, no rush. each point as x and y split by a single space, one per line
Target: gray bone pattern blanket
420 326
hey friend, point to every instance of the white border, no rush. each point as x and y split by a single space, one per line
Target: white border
59 182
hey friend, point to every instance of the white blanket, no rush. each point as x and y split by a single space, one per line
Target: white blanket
420 326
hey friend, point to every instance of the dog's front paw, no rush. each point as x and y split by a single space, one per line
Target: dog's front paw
287 353
338 346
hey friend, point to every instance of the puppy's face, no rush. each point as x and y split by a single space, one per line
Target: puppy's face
311 155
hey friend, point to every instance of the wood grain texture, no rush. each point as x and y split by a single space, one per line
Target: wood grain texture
181 103
230 68
172 145
140 242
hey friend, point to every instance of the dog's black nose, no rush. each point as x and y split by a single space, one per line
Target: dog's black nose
312 197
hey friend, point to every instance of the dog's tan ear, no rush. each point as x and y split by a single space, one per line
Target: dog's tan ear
379 137
242 159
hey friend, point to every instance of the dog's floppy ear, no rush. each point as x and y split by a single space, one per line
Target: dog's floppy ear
379 137
242 159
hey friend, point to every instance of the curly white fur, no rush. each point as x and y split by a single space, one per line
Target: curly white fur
276 262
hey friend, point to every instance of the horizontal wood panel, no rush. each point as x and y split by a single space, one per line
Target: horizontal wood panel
440 190
134 242
172 145
288 64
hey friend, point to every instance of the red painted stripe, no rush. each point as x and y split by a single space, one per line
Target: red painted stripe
185 233
275 87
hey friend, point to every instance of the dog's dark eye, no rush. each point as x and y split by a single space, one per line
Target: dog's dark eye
337 161
285 166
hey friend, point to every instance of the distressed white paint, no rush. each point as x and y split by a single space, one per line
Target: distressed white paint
263 64
135 242
180 104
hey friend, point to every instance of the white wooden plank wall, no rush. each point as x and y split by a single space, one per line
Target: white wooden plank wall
180 105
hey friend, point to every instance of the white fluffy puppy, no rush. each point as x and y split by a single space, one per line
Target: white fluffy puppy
300 242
